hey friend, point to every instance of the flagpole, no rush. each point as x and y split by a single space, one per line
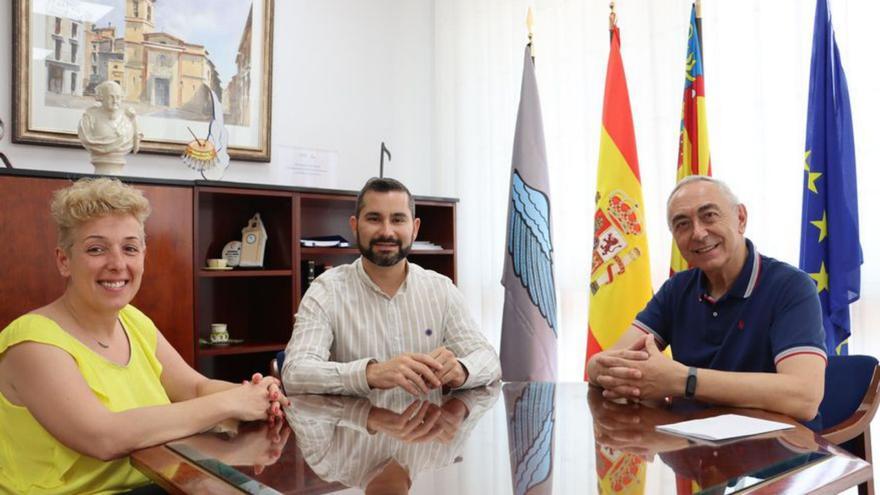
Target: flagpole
698 6
530 24
612 20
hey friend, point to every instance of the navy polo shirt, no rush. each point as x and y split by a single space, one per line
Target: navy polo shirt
771 312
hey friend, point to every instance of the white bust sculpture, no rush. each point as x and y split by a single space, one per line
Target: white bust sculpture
108 132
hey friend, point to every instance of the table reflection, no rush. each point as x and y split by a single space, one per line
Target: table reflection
380 443
255 445
531 417
543 438
626 437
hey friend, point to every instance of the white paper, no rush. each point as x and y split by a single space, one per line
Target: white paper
309 167
426 246
723 427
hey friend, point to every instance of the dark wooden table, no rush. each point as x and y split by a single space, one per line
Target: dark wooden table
538 438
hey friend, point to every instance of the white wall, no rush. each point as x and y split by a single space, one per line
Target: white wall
348 74
757 66
756 61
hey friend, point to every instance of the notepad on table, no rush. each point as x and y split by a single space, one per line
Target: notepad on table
723 427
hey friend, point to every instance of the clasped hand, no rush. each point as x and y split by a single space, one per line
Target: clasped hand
640 372
255 444
630 427
422 421
418 373
263 399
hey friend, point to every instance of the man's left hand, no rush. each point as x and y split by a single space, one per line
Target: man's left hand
453 374
660 376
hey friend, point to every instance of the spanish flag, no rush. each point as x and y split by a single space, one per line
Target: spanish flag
693 142
620 280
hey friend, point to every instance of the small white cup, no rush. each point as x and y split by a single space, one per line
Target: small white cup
219 334
217 262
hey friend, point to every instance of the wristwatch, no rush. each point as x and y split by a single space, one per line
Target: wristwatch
690 386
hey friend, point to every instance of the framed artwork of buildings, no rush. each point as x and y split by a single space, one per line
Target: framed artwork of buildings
167 55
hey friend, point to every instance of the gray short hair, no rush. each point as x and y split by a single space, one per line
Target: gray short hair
720 184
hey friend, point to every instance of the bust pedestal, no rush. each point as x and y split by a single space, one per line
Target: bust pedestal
108 164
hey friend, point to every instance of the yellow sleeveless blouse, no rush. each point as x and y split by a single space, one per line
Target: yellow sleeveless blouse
32 461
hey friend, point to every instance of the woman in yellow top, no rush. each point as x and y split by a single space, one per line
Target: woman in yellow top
88 378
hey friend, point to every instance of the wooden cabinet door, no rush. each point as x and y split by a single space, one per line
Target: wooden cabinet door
28 276
166 293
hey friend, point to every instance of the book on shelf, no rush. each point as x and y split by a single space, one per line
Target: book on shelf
311 272
324 241
311 269
426 246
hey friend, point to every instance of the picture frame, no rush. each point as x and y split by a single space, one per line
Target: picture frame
166 62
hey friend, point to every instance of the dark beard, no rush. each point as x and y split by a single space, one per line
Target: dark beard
390 259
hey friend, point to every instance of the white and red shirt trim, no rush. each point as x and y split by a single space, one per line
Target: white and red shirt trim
796 351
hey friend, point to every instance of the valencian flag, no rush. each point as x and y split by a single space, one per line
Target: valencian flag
693 141
830 250
620 281
529 326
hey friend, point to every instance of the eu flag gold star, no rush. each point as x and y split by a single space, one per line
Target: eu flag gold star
822 225
812 177
821 279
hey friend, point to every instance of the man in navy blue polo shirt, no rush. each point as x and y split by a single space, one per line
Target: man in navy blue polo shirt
745 329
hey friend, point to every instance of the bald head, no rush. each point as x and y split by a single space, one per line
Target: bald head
720 186
708 224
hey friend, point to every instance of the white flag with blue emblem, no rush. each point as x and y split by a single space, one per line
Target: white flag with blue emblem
529 328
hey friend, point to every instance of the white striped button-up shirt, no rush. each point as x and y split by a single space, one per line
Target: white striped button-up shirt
345 321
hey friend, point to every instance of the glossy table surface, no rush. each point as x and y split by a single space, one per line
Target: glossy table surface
538 438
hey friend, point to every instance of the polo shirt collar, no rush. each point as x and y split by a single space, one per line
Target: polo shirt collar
747 279
365 278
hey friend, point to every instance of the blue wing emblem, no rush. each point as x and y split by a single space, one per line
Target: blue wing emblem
531 436
530 247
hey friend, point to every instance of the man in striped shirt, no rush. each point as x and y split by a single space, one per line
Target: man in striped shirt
748 326
383 322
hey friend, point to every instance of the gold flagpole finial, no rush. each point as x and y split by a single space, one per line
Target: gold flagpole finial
612 17
530 24
698 8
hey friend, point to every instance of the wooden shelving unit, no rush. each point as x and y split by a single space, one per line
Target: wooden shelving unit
255 303
191 222
259 305
244 348
244 273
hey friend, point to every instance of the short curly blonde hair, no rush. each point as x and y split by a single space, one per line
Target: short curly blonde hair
88 199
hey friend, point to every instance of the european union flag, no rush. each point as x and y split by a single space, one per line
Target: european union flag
830 250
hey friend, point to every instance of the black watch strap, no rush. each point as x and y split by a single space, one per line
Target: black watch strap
690 386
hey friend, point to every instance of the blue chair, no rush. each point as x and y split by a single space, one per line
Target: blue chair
852 384
276 364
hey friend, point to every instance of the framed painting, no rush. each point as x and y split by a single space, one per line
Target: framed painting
168 57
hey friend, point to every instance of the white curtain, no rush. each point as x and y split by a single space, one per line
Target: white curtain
756 60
